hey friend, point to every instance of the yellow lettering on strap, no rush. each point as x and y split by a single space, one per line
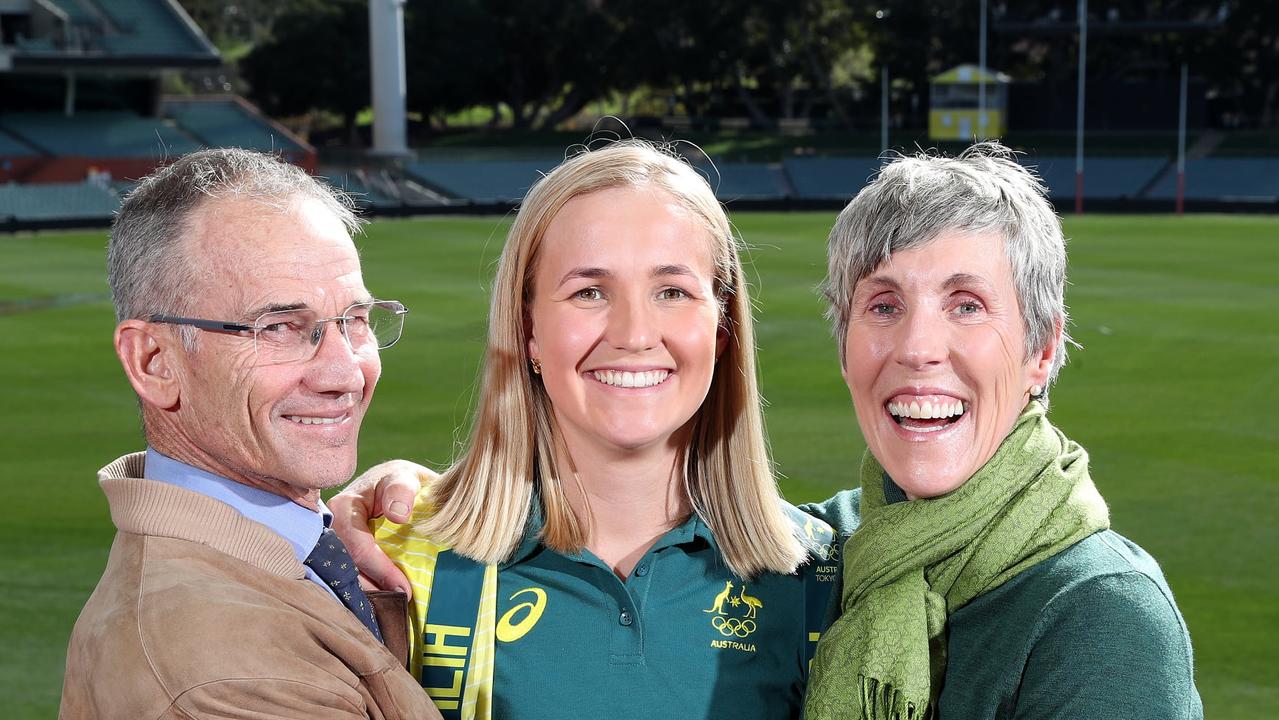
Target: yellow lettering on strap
440 645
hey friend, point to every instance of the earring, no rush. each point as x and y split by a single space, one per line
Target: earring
1036 390
537 366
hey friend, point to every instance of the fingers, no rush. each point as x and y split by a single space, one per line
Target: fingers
386 489
376 569
397 483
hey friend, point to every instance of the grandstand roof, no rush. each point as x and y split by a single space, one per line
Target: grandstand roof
970 74
110 34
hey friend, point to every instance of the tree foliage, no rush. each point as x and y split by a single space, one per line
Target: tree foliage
317 59
542 61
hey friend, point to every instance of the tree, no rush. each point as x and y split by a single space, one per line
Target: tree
544 61
317 58
1242 59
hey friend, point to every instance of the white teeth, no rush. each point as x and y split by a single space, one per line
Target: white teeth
927 411
629 379
308 420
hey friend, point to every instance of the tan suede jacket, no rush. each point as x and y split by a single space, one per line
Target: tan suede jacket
203 613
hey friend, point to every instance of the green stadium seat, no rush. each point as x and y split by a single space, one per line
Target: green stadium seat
745 181
1229 179
57 201
829 178
1104 177
150 27
481 181
99 134
227 123
12 147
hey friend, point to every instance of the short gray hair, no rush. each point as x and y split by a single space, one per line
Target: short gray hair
147 263
917 198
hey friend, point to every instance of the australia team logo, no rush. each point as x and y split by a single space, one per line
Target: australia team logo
825 540
733 614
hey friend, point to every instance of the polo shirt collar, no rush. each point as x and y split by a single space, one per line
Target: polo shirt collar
691 531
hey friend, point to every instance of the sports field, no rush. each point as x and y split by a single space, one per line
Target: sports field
1175 393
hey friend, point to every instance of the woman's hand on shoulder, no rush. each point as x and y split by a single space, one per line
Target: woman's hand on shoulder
386 490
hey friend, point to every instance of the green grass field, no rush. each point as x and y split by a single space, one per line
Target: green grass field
1174 394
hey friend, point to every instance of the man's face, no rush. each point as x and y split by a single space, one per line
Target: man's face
289 427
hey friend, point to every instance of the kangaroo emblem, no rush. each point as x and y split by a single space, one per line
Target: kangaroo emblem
718 607
752 603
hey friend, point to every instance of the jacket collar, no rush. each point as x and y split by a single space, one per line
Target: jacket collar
150 507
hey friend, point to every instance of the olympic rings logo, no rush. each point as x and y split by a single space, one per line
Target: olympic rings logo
731 626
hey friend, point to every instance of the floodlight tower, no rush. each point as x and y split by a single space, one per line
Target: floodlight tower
1079 108
386 55
981 76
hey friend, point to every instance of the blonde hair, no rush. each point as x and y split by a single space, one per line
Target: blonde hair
481 504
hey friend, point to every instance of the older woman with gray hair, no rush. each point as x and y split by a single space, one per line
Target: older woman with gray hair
984 580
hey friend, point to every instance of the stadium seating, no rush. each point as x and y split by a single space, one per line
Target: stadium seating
829 178
745 181
1104 177
227 123
98 134
76 12
359 190
1230 179
57 201
480 181
150 27
12 147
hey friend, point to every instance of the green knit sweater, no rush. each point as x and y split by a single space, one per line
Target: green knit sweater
1092 632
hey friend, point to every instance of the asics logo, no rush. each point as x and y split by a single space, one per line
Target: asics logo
516 622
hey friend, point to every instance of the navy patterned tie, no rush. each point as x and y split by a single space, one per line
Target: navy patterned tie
335 567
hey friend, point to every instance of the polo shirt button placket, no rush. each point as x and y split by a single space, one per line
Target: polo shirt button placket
642 569
625 618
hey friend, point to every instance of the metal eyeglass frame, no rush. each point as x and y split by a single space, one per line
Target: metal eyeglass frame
224 326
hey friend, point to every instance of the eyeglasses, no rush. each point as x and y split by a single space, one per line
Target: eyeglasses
284 336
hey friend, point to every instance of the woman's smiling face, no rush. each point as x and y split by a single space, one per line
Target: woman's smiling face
624 317
935 359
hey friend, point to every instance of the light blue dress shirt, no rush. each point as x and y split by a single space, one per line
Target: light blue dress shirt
300 526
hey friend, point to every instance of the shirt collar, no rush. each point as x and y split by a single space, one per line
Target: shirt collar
692 530
300 526
893 493
532 532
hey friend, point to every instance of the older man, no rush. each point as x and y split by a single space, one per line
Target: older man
245 329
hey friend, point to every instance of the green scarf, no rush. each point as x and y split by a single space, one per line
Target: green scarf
912 563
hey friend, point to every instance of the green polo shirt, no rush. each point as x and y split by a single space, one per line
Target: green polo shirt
682 637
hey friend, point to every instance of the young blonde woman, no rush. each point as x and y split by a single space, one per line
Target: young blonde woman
611 541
